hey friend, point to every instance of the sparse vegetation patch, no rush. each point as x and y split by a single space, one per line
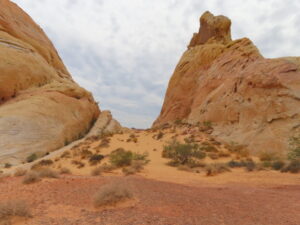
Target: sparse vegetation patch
111 194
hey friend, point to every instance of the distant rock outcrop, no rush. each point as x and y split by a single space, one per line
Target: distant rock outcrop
249 99
41 107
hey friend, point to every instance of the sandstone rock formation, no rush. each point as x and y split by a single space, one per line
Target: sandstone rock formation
105 124
249 99
41 107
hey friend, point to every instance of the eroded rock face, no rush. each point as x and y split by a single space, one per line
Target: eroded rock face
41 107
249 99
105 124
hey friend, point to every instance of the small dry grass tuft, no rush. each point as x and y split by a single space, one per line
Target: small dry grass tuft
111 194
31 177
216 168
48 173
96 171
20 172
13 208
65 171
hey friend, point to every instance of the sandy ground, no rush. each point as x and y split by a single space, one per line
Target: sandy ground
68 200
164 195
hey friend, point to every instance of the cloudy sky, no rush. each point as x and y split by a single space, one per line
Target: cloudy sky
124 51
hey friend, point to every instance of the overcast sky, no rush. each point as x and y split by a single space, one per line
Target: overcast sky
124 51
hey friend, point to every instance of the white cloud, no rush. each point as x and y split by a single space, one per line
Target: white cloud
125 51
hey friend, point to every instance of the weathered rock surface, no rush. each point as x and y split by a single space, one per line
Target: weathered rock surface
105 124
41 107
249 99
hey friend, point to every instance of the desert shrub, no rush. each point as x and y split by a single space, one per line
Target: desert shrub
20 172
216 168
141 157
206 146
208 124
135 167
250 166
31 177
189 140
64 171
293 167
178 122
182 153
160 135
213 155
104 142
128 171
95 159
44 162
85 154
268 156
7 165
14 208
96 171
294 151
138 165
31 158
234 164
66 154
132 138
185 168
106 168
93 138
238 149
111 194
121 157
277 165
267 164
223 154
48 173
78 164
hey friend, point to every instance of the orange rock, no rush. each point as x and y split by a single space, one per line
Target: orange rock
41 107
249 99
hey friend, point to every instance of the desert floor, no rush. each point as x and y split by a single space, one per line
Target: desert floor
162 194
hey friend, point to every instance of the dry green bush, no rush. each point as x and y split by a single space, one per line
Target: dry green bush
95 159
106 168
160 135
7 165
48 173
129 171
104 143
65 171
216 168
292 167
96 171
31 177
32 158
268 156
182 154
111 194
20 172
85 154
78 164
120 157
13 208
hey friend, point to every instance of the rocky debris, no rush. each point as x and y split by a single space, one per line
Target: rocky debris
41 107
247 98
